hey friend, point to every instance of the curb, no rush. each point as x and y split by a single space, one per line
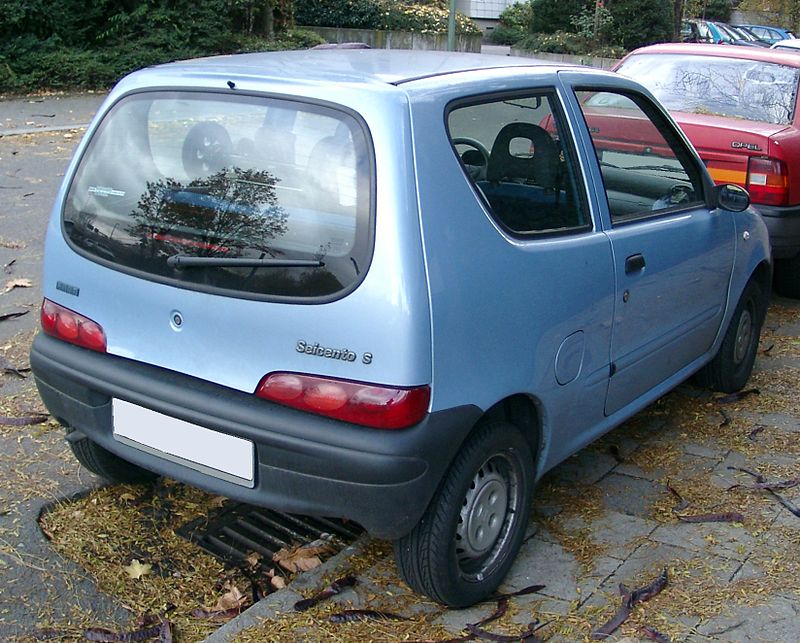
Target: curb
49 128
283 600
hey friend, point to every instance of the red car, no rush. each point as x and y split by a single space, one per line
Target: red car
738 106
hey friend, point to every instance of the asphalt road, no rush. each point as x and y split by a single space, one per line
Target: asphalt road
37 137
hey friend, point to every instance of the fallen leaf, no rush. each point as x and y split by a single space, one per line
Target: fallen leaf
727 516
17 283
231 599
218 501
277 582
136 569
252 559
301 559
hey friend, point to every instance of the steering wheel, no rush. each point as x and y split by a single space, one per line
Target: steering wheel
206 149
475 144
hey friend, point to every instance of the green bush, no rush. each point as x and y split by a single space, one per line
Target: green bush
563 42
550 16
92 43
392 15
357 14
502 35
640 22
289 39
515 24
519 14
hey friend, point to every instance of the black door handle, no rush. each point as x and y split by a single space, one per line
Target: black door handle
634 263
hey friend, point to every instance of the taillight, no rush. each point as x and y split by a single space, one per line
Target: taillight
68 325
768 181
380 407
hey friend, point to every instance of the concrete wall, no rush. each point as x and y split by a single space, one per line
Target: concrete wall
397 39
773 18
589 61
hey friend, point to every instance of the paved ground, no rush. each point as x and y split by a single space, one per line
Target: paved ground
602 518
35 468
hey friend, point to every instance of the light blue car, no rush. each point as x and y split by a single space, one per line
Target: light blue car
396 287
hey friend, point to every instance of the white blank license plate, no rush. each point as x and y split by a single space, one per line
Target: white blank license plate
217 454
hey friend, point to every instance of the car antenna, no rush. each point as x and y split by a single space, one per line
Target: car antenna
231 84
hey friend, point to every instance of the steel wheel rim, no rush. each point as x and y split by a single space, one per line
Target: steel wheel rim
744 332
207 151
487 516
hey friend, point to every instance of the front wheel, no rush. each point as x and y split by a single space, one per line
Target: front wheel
731 367
466 541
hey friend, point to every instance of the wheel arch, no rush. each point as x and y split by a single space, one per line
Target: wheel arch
762 274
524 412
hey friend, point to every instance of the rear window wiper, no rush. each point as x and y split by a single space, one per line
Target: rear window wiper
186 261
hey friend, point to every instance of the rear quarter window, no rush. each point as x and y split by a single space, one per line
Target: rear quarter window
248 196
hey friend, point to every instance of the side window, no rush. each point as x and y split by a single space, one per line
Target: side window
646 167
513 151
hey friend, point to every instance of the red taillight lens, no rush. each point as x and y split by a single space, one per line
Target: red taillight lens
380 407
68 325
768 181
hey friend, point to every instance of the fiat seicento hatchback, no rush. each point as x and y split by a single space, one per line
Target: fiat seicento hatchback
395 287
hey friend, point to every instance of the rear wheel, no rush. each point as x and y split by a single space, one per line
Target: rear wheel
732 365
787 277
466 541
107 465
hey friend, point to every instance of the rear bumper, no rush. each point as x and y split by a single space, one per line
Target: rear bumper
305 464
784 229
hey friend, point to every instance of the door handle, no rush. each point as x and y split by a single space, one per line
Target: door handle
634 263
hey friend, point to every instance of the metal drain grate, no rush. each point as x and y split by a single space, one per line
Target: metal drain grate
238 529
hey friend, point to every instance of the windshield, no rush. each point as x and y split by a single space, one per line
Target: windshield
755 91
226 192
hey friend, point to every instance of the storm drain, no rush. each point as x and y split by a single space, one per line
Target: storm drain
239 529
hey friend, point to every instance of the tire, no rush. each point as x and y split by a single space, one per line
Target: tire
107 465
787 277
462 548
731 367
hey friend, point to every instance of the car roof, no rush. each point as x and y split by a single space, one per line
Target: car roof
767 27
758 54
346 65
787 43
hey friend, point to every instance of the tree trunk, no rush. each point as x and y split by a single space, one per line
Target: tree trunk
678 6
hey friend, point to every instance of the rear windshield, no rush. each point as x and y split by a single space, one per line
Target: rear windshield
244 195
755 91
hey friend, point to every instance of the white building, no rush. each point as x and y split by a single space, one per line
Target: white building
483 9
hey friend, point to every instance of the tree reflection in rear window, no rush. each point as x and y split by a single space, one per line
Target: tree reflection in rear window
755 91
244 195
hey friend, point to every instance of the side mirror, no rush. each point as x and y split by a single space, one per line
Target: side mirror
732 197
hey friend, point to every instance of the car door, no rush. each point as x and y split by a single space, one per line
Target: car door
673 254
520 271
